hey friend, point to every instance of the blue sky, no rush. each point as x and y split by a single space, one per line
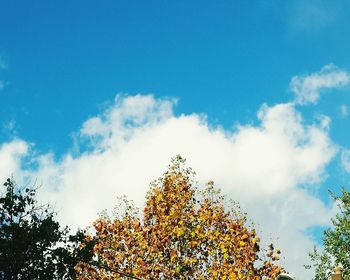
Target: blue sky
62 65
224 58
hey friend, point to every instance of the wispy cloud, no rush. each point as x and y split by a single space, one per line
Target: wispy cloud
345 159
3 64
307 88
314 15
343 110
9 128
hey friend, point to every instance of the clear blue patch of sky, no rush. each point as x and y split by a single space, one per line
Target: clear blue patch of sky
316 233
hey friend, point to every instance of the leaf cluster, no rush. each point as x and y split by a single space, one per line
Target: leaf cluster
32 243
336 242
184 234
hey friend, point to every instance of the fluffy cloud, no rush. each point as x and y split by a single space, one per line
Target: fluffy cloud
11 155
130 144
307 88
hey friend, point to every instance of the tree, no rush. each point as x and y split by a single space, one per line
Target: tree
336 240
32 243
184 234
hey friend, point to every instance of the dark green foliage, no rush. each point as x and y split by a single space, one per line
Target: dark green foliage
336 242
32 244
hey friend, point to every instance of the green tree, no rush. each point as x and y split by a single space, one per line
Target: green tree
32 244
336 242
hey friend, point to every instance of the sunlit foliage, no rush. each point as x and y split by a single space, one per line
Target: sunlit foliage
184 234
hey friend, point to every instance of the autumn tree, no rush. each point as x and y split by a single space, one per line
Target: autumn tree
336 241
33 245
184 234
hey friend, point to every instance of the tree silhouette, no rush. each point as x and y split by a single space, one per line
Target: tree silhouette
32 244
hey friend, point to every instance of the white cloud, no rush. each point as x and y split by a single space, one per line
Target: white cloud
344 111
118 123
307 88
345 159
131 143
11 155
